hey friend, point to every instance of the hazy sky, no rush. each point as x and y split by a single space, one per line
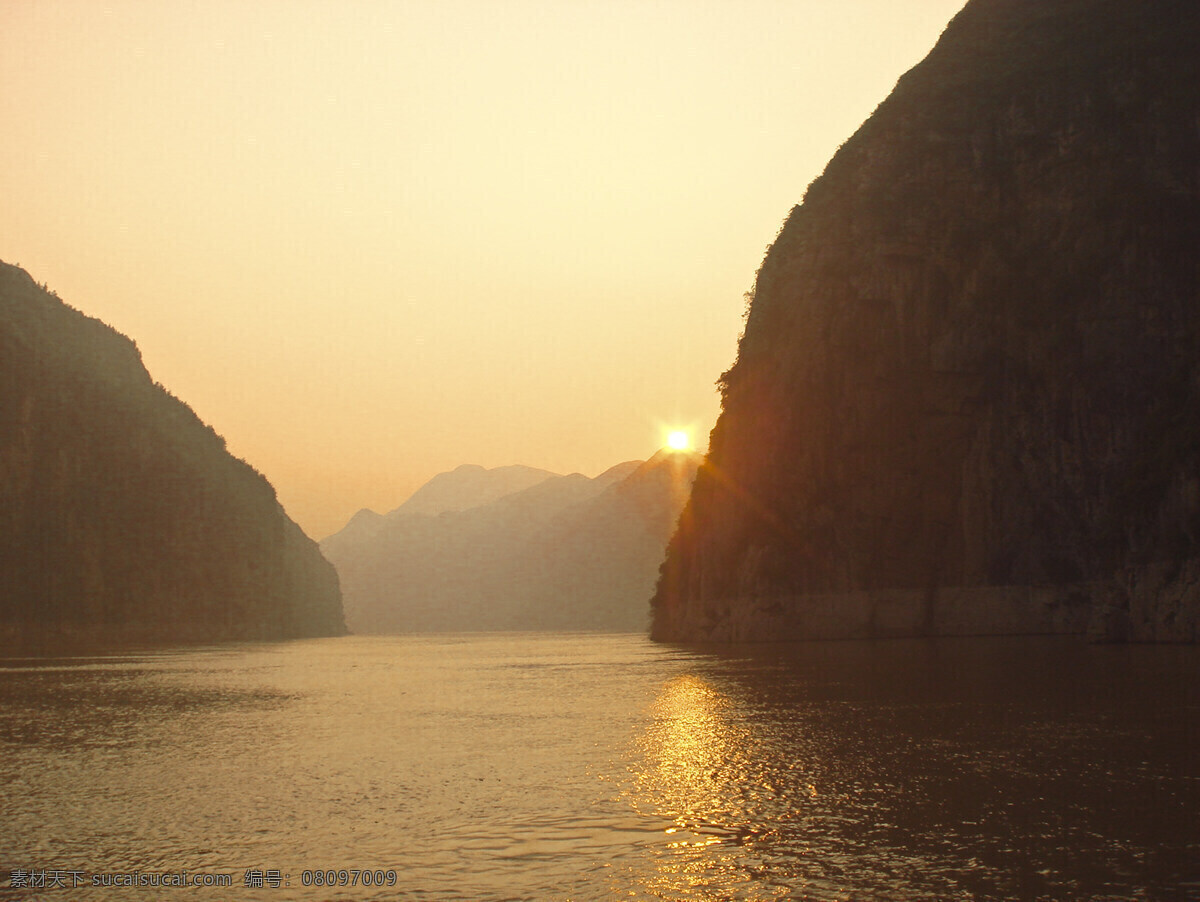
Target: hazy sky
368 242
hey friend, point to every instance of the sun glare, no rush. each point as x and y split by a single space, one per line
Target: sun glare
678 441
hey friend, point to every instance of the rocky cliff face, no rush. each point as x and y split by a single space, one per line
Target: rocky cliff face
967 398
122 516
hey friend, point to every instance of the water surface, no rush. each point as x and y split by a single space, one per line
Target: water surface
582 766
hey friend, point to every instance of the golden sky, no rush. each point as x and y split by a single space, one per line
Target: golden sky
370 241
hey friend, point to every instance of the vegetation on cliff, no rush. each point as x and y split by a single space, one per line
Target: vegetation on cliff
122 516
971 355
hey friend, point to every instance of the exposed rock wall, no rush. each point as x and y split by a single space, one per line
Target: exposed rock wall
122 516
972 358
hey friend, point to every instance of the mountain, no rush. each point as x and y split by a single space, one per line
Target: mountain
122 516
617 473
568 552
967 397
599 561
360 527
470 486
466 487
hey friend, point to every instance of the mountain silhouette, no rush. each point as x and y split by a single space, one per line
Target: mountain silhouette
568 552
469 486
123 519
465 487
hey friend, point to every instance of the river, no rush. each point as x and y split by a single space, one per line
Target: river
585 767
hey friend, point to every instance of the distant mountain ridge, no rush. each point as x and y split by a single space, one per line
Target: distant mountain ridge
565 552
467 486
470 486
122 516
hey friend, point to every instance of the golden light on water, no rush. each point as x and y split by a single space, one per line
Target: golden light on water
688 742
692 756
694 762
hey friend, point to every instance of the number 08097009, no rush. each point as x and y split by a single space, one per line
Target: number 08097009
352 877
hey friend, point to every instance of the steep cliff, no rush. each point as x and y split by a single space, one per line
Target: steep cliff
122 516
967 398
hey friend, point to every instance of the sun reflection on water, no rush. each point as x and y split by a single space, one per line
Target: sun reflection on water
697 776
688 746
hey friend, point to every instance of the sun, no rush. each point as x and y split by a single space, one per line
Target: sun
678 440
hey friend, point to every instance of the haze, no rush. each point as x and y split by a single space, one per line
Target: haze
369 242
